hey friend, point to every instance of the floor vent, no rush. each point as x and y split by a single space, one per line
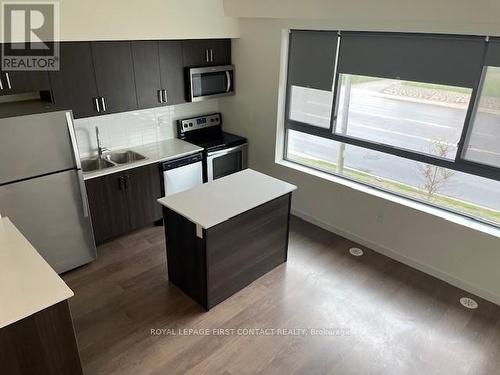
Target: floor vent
356 251
468 302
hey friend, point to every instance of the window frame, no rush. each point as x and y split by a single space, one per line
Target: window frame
459 164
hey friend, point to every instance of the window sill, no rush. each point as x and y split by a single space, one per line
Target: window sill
438 212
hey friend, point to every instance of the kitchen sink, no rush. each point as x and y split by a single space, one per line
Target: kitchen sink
94 164
124 157
110 159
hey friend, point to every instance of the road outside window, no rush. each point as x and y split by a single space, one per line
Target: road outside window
422 117
456 191
311 106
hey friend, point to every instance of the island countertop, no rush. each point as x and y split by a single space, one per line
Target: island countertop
215 202
27 283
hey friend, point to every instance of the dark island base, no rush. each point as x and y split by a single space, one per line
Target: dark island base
230 255
41 344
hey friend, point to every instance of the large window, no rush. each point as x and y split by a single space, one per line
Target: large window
416 115
484 141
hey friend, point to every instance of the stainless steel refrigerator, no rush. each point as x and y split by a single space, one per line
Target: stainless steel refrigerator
42 189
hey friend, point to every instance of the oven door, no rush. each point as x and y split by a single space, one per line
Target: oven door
224 162
211 82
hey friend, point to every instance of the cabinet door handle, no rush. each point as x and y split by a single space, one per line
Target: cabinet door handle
97 107
207 56
165 98
211 55
103 102
121 183
160 96
8 80
125 179
1 84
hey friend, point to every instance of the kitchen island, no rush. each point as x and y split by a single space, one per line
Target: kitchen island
36 330
223 235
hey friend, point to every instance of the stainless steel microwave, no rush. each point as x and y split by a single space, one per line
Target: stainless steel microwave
210 82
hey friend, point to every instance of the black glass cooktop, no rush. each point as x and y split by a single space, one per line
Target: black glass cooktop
219 142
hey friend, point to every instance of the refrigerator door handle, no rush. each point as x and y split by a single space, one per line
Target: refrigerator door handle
72 137
83 193
76 154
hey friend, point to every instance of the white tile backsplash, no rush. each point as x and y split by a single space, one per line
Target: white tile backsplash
134 128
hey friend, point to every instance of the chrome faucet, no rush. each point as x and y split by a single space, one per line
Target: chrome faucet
100 149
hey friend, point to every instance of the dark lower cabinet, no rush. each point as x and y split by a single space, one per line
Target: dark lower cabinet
206 52
74 86
124 201
143 188
108 206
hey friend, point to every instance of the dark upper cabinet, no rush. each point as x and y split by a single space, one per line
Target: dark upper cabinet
114 73
206 52
172 71
147 73
107 77
159 71
221 51
16 82
124 201
74 86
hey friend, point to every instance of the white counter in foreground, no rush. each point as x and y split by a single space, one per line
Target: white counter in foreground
217 201
27 283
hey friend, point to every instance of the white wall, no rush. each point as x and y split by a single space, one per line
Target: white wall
464 257
144 19
452 16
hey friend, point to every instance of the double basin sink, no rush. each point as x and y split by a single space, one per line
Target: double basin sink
110 159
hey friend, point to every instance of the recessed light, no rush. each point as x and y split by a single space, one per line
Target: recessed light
356 251
469 303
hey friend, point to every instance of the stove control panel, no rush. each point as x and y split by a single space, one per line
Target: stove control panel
200 122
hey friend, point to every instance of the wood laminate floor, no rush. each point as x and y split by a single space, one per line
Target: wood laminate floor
383 317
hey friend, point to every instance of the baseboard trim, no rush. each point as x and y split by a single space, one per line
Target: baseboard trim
446 277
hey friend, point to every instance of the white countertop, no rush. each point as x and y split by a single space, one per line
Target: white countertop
154 152
217 201
27 283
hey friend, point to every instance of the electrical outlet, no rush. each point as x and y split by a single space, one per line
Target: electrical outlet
380 218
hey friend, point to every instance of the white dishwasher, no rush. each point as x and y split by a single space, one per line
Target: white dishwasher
182 173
